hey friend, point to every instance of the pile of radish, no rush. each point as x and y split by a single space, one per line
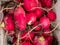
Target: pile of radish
29 20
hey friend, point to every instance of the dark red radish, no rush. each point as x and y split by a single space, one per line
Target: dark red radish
30 4
49 38
51 15
47 3
38 12
9 24
20 18
29 37
45 22
31 18
27 43
38 28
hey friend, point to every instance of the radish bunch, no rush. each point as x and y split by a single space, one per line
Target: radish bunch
25 19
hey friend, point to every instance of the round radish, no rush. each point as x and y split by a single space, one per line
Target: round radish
9 25
45 22
29 4
51 15
31 18
38 12
49 38
26 43
20 18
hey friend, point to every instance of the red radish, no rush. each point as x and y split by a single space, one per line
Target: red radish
31 18
51 15
29 37
39 12
45 22
38 28
47 3
9 25
49 38
20 18
26 43
29 4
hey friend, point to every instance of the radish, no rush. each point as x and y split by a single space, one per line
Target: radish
45 22
29 4
41 41
31 18
38 28
47 3
9 25
49 38
51 15
26 43
39 12
29 37
20 18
